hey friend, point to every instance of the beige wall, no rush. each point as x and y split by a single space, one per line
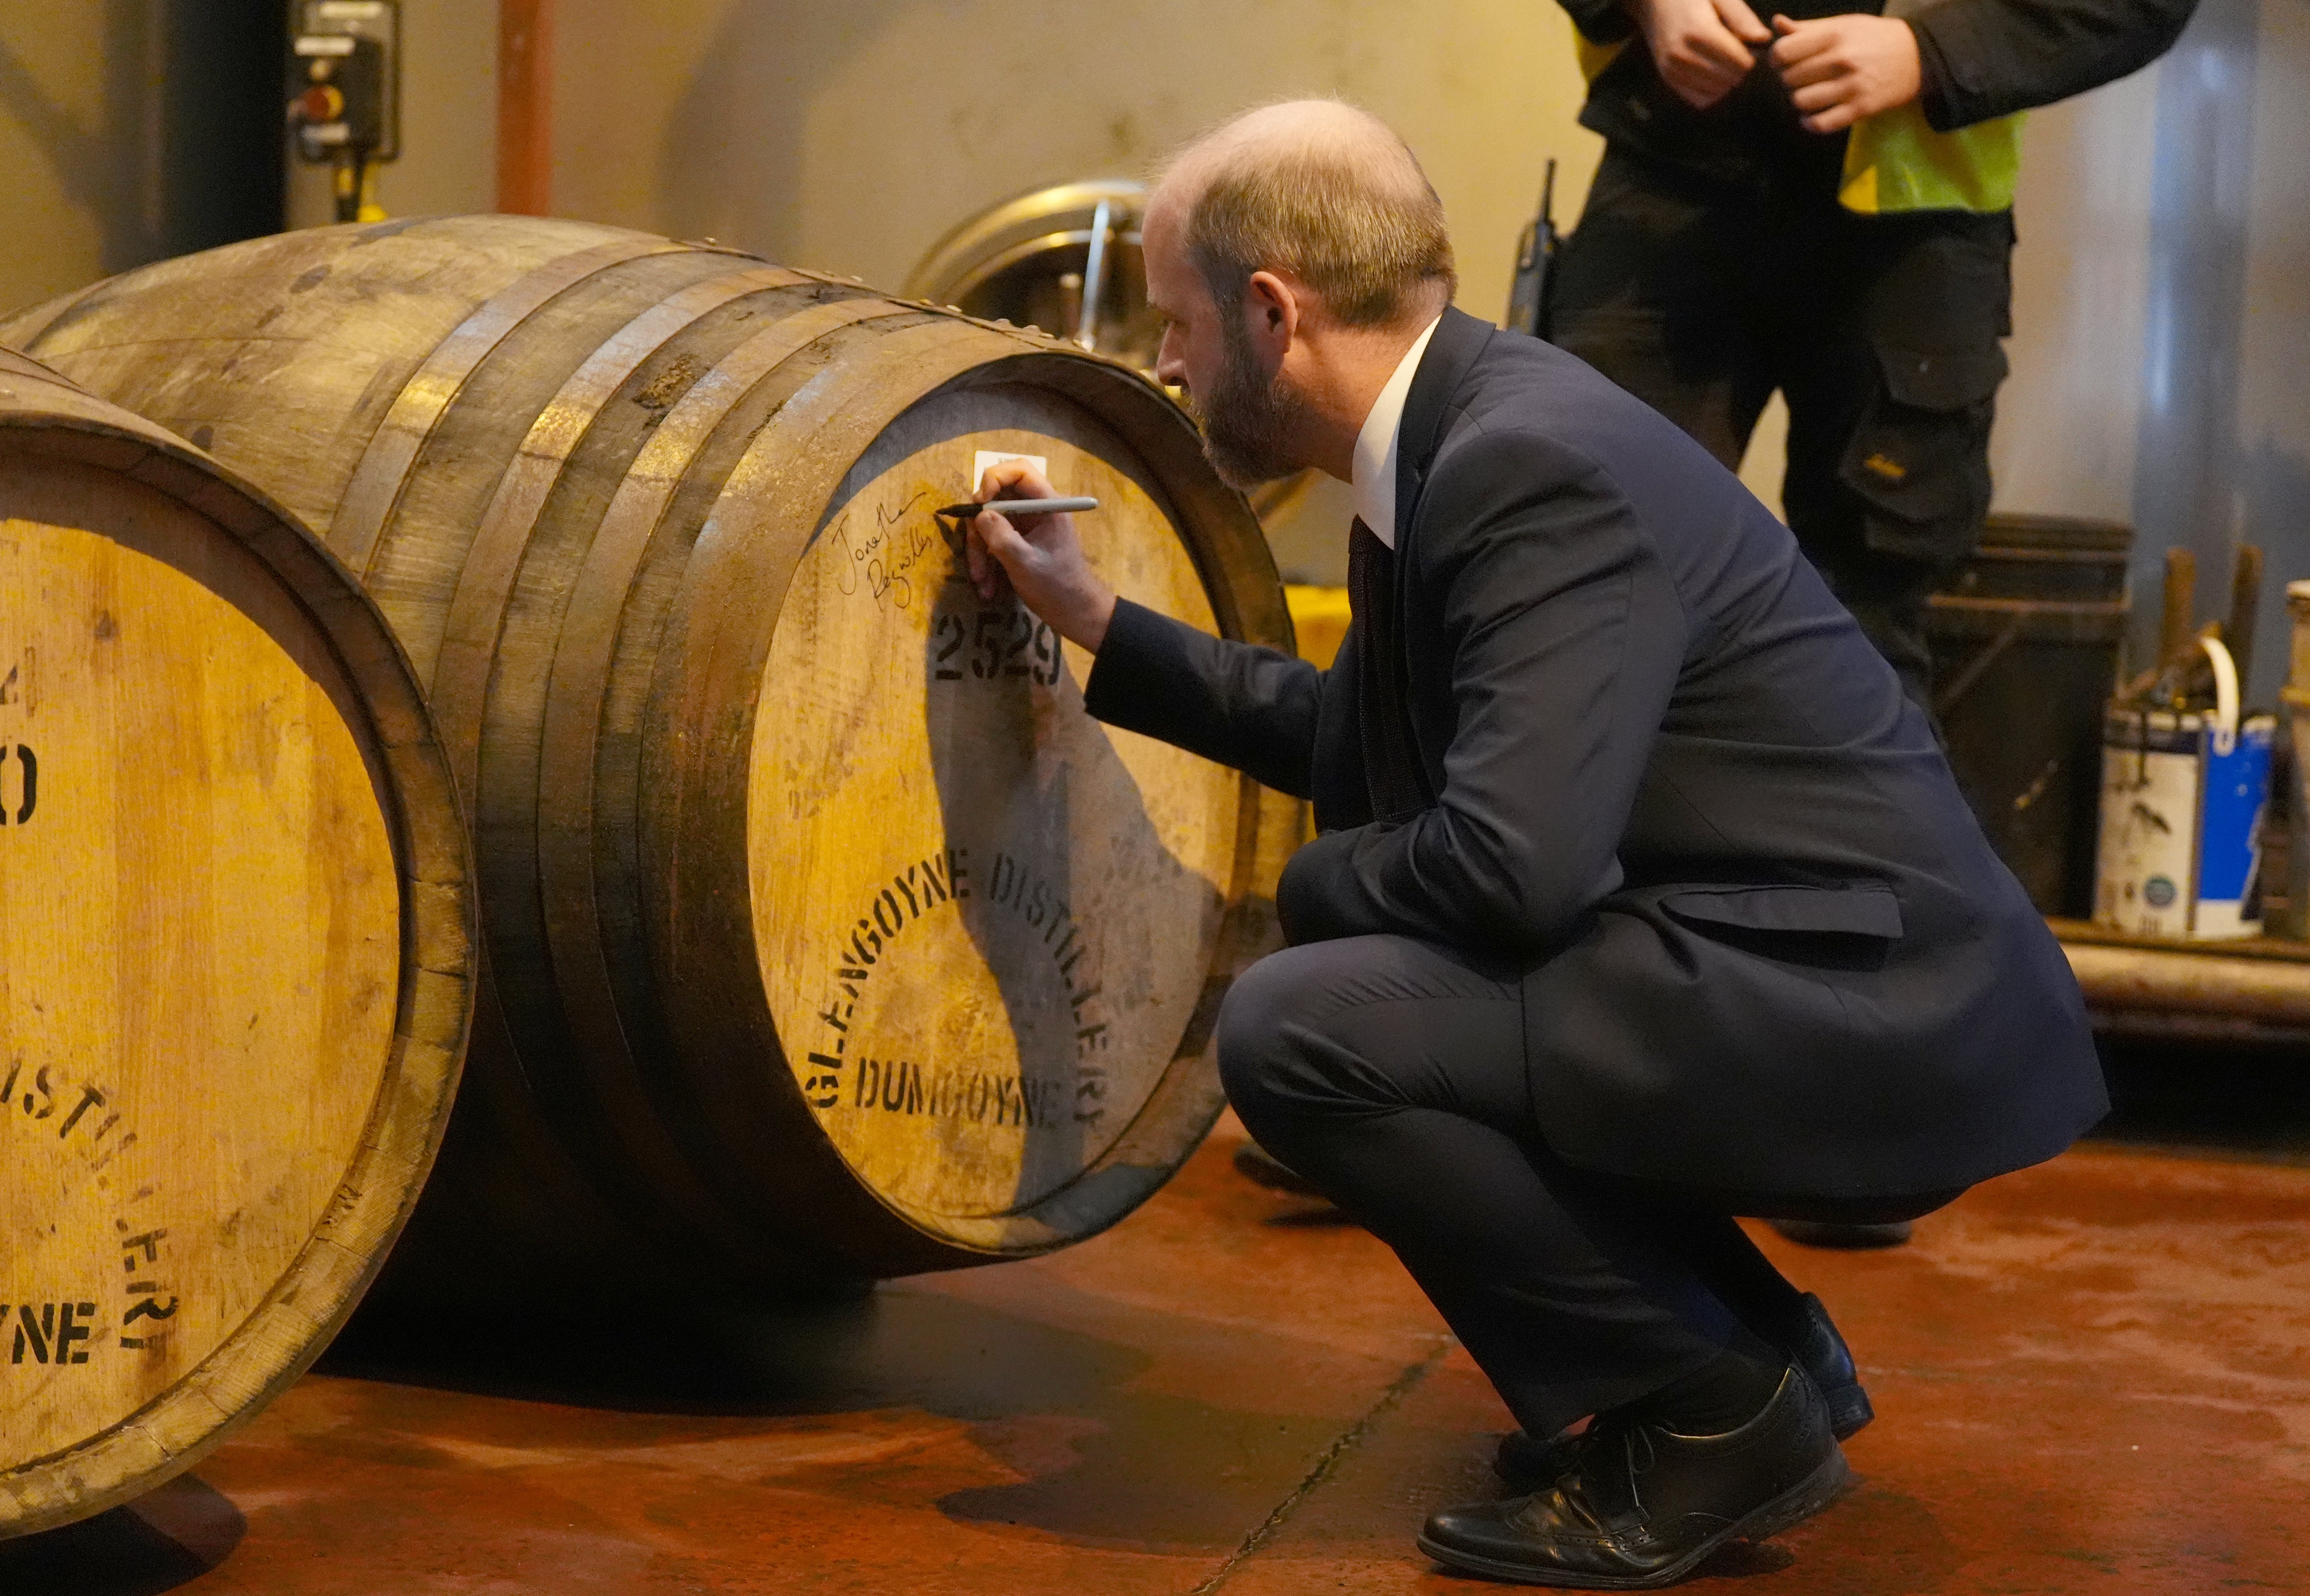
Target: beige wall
71 199
848 136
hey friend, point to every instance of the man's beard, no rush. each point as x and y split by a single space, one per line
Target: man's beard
1248 419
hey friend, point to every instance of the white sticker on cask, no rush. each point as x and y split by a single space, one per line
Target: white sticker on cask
199 958
986 460
984 920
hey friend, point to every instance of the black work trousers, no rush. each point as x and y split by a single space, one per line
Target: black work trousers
1391 1072
1702 296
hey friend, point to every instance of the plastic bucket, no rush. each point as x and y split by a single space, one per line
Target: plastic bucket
2025 637
2181 817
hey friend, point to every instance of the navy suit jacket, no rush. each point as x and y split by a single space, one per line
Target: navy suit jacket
1764 945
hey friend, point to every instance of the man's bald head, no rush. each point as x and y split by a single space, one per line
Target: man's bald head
1320 191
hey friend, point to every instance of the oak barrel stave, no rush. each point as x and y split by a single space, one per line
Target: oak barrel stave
601 674
598 1100
566 963
441 564
229 728
532 504
486 693
193 355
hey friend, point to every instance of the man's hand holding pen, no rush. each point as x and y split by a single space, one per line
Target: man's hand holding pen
1038 557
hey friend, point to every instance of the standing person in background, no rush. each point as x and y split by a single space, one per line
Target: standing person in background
1823 206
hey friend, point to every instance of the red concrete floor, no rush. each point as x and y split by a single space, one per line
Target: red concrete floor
2090 1377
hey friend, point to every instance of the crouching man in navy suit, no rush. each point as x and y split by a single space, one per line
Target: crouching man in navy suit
1642 898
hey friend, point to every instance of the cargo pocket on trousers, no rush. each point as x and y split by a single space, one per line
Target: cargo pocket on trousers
1920 458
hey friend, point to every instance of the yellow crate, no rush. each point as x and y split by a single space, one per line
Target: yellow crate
1319 616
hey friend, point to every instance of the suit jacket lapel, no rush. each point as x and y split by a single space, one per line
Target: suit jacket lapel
1459 339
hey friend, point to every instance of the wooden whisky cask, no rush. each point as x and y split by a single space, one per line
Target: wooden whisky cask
234 933
825 935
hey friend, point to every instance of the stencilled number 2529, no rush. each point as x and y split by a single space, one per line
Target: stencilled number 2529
995 643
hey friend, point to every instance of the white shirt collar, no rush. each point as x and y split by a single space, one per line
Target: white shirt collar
1373 464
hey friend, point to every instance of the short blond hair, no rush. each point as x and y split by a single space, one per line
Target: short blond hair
1326 192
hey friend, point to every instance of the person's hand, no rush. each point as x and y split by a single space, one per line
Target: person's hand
1840 69
1702 47
1038 559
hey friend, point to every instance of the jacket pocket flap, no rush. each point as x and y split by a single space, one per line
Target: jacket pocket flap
1950 379
1866 910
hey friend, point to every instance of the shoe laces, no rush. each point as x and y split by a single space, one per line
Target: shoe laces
1630 1435
1637 1437
1615 1440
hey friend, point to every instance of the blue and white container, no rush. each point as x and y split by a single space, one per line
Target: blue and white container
2181 817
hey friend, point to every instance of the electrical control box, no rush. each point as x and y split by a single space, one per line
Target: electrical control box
344 83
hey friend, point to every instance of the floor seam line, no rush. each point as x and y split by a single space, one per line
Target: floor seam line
1326 1465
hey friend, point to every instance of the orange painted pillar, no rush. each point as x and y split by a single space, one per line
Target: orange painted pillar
525 107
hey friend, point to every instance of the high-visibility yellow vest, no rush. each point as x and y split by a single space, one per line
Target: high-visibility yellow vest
1894 161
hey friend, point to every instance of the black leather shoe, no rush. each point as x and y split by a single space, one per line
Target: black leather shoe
1525 1464
1821 1353
1643 1507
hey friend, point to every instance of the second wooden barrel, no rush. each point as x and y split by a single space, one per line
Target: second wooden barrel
234 950
827 936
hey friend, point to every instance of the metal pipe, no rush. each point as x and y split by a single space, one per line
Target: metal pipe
2175 645
2185 984
2246 604
1094 277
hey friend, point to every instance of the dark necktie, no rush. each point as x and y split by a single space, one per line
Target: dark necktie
1392 773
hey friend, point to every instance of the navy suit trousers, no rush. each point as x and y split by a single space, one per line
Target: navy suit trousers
1391 1072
